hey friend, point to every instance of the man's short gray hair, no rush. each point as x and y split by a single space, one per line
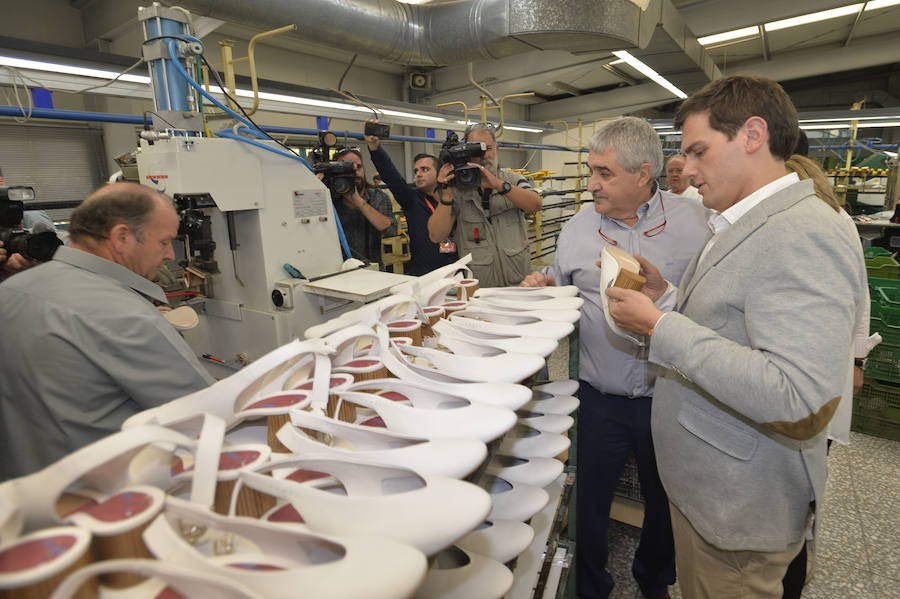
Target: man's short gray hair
634 141
479 127
676 155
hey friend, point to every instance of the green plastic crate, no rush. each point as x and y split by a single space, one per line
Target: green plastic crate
872 252
877 398
885 292
882 267
884 365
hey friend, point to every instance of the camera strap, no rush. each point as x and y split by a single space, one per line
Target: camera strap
486 202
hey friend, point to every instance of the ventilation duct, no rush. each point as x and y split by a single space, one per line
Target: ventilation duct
449 32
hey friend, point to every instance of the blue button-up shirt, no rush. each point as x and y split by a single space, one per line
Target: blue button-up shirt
610 363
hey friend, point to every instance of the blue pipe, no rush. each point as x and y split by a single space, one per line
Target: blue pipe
72 115
104 117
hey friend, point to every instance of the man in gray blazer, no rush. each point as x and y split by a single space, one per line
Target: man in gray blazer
753 357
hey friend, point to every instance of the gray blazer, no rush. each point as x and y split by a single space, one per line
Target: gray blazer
753 362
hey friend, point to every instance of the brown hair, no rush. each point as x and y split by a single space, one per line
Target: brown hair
809 169
120 203
730 101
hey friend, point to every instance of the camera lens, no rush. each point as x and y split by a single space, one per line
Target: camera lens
342 185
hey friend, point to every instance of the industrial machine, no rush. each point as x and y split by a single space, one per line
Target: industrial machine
263 247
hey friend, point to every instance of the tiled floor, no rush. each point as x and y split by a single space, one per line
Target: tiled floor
858 553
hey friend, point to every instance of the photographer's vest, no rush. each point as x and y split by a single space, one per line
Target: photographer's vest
493 230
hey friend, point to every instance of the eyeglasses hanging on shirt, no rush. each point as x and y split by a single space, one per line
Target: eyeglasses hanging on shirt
648 233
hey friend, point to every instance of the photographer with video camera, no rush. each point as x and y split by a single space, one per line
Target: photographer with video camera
487 205
23 244
418 205
365 211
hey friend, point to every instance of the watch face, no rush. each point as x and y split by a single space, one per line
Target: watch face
506 188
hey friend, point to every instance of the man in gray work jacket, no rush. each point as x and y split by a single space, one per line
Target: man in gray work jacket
83 345
490 219
753 359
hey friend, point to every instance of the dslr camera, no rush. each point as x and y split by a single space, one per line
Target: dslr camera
459 154
39 246
339 176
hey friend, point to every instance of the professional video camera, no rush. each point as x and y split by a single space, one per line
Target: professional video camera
460 154
339 175
37 245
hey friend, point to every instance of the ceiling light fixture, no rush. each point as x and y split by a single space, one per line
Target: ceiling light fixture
728 36
815 17
50 67
648 72
841 11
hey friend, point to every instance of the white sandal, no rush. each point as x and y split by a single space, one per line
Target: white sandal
430 414
499 368
526 442
453 458
538 472
278 561
564 387
474 342
460 574
344 497
529 293
165 579
260 389
515 310
512 500
501 540
529 303
547 422
552 404
506 323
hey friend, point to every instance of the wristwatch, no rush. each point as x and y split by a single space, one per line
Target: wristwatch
860 363
505 189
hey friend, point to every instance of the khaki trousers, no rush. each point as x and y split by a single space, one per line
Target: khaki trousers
707 572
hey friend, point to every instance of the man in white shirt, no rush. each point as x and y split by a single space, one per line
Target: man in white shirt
753 358
678 183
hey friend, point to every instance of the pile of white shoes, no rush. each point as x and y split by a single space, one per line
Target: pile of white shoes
331 466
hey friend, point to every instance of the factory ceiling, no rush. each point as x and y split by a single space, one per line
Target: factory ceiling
561 49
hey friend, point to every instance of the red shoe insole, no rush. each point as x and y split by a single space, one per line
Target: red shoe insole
34 553
118 507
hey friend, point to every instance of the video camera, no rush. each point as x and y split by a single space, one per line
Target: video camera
460 154
340 175
39 246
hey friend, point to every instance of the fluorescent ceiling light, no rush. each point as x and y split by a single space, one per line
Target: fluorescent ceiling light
510 127
727 36
867 125
834 13
525 129
648 72
849 118
876 4
49 67
815 17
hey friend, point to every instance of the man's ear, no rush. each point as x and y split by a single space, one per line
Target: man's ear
756 130
119 236
644 174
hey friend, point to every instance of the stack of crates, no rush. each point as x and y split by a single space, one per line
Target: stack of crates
876 407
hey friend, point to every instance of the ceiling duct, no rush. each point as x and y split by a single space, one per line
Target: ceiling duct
450 32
